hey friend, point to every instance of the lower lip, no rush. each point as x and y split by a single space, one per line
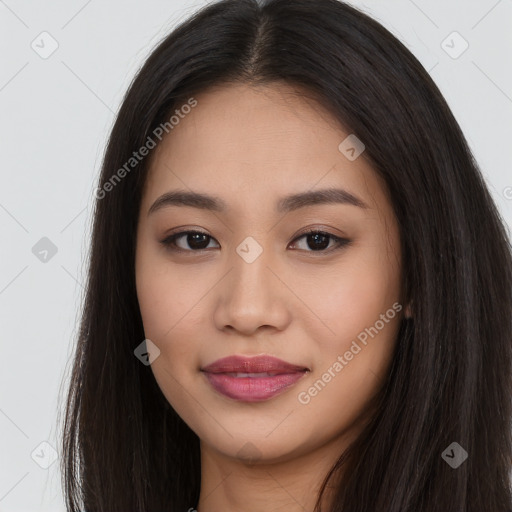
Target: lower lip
252 389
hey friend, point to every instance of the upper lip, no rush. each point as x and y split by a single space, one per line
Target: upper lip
255 364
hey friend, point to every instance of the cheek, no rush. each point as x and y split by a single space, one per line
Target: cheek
162 296
354 296
169 306
170 309
167 310
356 304
352 364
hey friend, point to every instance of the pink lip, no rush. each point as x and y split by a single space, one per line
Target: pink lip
253 388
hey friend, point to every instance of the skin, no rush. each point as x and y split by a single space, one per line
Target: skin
251 146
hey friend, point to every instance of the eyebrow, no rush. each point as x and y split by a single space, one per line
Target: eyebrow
284 205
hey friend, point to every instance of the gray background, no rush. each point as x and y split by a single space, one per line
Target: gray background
55 114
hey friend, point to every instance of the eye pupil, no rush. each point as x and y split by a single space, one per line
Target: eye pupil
194 239
319 241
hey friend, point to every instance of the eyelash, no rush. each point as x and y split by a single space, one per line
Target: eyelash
170 241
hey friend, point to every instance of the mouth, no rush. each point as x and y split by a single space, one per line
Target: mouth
252 379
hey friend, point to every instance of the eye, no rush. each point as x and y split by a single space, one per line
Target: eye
195 241
318 241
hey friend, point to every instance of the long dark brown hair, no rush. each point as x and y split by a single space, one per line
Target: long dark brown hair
126 449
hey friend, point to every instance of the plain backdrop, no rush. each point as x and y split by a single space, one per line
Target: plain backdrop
55 114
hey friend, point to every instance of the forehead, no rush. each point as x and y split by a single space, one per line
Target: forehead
257 143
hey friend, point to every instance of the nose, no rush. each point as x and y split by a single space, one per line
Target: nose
252 296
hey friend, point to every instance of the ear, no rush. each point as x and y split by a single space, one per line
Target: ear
408 310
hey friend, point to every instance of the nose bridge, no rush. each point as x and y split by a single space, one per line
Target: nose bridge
250 272
251 296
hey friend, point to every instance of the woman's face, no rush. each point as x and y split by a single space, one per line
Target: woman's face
253 282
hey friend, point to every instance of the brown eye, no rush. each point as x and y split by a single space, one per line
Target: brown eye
195 240
318 241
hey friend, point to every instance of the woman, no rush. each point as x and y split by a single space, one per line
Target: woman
299 293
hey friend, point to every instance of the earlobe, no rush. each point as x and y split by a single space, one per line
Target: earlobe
408 310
